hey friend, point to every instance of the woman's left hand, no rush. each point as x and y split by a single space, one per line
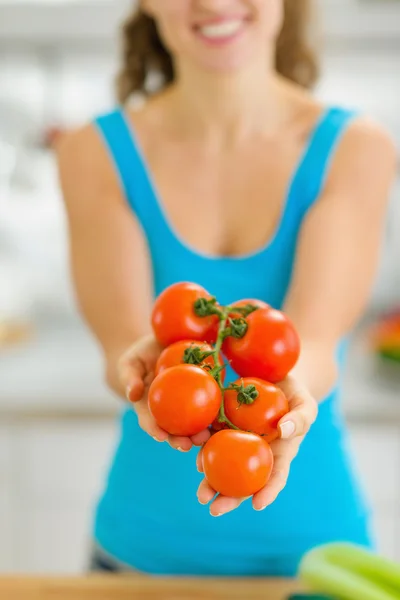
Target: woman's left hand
293 427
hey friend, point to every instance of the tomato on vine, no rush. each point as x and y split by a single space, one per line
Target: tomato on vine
256 405
237 463
174 317
269 347
184 400
189 352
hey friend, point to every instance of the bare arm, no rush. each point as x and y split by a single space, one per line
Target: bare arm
112 276
335 266
109 259
339 250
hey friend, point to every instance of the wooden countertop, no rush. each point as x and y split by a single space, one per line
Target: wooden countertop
143 588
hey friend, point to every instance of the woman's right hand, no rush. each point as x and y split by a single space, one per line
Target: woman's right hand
136 369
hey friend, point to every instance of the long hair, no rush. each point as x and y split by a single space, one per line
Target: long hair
144 51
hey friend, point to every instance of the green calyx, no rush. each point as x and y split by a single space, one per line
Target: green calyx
205 307
245 395
236 328
194 355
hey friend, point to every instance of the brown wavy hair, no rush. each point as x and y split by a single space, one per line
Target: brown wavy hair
144 51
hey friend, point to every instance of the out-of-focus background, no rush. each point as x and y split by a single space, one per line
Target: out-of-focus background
57 420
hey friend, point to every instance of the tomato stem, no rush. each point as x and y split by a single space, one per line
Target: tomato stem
224 318
235 326
245 395
194 355
205 307
244 311
219 342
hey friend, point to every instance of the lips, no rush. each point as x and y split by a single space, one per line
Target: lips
221 30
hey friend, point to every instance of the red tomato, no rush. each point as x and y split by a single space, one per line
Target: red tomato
237 463
184 400
263 414
173 317
217 426
269 349
173 356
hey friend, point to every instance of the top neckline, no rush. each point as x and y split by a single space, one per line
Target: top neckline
287 202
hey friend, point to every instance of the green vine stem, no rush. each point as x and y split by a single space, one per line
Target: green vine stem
222 334
228 326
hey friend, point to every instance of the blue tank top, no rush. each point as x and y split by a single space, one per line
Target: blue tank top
148 516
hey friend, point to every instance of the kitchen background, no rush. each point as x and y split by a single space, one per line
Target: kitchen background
57 420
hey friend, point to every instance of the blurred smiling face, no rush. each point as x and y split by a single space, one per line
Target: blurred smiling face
217 35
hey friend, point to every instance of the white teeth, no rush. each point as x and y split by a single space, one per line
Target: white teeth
221 30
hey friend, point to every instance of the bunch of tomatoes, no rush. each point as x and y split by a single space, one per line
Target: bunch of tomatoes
188 393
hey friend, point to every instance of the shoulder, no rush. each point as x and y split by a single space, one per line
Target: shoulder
365 161
366 147
84 165
80 148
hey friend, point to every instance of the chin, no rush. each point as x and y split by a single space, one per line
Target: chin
226 65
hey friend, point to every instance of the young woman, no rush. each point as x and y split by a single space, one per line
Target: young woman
230 175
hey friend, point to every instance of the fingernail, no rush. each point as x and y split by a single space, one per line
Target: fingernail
262 508
180 449
201 502
158 440
128 392
287 429
217 515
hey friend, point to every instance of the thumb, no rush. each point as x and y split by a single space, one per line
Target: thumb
136 367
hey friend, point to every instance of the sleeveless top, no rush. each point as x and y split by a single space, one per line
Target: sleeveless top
148 515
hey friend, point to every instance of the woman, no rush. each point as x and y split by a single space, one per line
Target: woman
231 175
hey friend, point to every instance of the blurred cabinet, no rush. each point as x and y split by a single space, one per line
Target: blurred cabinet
77 21
8 558
61 464
360 20
387 531
54 473
377 459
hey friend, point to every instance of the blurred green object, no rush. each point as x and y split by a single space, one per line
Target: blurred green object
390 354
310 597
349 572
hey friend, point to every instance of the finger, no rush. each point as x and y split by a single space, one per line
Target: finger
284 453
132 373
298 421
275 485
289 448
205 493
183 444
148 423
135 389
199 461
223 505
201 438
137 365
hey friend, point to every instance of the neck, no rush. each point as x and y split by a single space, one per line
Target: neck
227 107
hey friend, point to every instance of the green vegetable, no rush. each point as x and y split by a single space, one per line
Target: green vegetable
390 354
349 572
